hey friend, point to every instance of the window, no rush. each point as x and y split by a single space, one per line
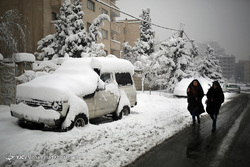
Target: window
123 79
104 11
54 16
91 5
104 34
88 26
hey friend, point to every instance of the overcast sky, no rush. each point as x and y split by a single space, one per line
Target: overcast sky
224 21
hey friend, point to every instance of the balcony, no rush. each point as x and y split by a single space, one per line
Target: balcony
115 45
115 28
114 13
56 3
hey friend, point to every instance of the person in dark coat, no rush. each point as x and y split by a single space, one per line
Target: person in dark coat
215 98
194 96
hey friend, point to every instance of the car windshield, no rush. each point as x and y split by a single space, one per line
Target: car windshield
105 77
123 79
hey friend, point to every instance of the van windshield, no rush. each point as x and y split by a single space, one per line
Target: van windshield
123 79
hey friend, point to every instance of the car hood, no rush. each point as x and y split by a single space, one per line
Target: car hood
74 77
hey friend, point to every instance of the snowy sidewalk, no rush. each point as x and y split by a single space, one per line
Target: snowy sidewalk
155 118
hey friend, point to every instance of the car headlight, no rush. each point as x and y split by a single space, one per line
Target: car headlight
55 106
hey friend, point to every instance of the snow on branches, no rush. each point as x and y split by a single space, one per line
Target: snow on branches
12 33
210 68
71 36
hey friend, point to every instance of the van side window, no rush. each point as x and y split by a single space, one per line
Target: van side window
123 79
105 77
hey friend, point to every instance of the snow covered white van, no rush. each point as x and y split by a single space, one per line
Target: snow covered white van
79 90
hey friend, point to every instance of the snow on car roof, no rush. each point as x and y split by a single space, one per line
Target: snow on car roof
112 64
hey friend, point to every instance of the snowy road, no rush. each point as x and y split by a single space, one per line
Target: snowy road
197 146
156 118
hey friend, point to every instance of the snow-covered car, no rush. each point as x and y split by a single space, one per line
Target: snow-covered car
181 87
233 88
79 90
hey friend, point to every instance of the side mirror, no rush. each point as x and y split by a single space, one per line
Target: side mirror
101 85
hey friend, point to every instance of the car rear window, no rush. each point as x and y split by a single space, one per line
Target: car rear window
232 86
123 79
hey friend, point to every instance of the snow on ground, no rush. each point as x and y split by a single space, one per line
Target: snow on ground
155 118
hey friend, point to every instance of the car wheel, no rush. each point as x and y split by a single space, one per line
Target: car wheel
125 111
80 121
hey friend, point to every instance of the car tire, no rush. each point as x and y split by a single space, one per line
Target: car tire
80 121
125 111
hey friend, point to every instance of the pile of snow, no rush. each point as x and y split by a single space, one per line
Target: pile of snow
112 64
181 87
24 57
154 119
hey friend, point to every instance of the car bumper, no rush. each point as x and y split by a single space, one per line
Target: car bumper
35 114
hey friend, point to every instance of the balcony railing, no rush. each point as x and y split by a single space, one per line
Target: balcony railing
115 28
115 45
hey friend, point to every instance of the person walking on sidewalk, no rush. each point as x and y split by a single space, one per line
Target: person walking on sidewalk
215 98
194 96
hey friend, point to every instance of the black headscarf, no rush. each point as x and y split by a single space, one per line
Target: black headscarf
194 97
215 98
196 91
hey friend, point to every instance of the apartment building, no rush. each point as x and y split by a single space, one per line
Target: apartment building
129 31
227 63
242 71
42 13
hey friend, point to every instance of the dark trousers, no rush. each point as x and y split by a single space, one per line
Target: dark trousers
193 117
214 118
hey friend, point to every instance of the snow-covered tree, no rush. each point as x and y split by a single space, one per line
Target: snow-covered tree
181 58
12 33
128 52
71 36
210 67
144 47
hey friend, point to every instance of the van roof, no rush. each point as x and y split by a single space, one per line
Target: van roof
112 64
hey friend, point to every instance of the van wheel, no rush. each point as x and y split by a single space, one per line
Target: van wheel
80 121
125 111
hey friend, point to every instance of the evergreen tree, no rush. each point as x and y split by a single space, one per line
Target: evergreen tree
210 68
144 47
182 60
71 37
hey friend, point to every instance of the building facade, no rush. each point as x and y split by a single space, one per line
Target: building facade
227 63
42 13
242 71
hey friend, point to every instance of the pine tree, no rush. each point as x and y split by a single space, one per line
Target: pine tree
144 47
210 67
182 60
77 38
71 37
